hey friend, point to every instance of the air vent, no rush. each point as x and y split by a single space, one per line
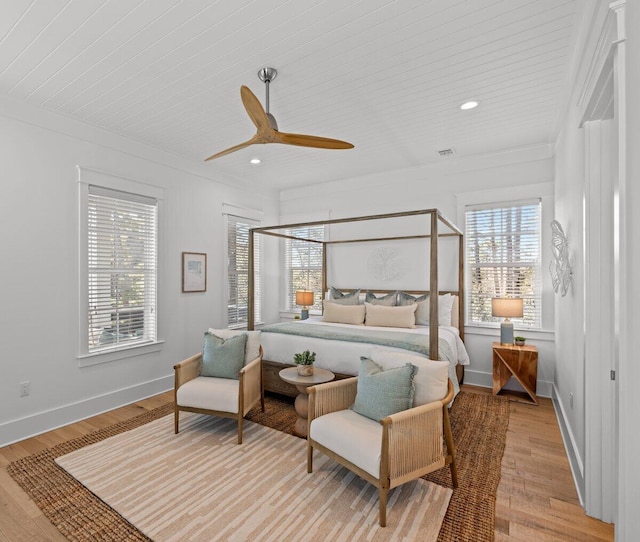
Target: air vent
446 152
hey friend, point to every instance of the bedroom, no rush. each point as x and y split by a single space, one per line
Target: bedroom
41 149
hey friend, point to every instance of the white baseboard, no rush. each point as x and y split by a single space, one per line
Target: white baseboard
575 461
35 424
485 380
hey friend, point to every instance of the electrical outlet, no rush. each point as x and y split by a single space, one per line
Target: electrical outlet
571 400
25 388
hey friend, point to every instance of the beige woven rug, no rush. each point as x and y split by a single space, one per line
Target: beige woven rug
200 485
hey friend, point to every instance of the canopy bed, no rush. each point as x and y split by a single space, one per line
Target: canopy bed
340 345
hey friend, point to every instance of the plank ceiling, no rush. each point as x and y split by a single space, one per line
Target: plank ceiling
385 75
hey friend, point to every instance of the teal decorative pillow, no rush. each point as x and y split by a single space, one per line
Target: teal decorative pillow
388 300
352 298
223 358
381 393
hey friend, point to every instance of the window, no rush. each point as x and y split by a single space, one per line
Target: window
303 262
122 238
238 271
503 260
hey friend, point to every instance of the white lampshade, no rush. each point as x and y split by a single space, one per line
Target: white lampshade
507 307
304 298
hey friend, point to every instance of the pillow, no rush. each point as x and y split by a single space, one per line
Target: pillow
445 304
388 300
379 315
352 298
382 393
431 379
223 358
455 309
422 311
253 341
343 314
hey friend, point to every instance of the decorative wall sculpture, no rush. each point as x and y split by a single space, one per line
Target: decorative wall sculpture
560 267
383 265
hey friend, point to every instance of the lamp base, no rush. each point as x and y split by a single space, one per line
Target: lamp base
506 332
304 314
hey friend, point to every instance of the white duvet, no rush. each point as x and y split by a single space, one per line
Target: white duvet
344 356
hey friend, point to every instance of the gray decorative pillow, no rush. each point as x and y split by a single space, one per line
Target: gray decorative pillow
422 312
223 358
388 300
352 298
381 393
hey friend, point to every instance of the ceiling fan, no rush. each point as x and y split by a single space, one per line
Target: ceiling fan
268 127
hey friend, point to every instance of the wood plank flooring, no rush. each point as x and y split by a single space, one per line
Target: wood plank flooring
536 497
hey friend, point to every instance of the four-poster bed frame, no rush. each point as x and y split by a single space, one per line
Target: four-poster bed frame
432 236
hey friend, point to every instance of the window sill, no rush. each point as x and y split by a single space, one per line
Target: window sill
95 358
533 334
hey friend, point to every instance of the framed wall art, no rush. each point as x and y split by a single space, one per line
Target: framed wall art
194 272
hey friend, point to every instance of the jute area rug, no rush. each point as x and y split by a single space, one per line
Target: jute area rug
479 424
200 485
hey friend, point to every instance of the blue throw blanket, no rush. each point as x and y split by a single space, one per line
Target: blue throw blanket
396 339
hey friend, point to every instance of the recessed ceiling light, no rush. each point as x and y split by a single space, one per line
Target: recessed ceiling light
255 160
469 105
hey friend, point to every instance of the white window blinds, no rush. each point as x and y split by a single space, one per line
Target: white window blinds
122 260
503 260
238 271
303 262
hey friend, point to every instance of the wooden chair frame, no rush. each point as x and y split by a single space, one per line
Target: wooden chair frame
250 389
411 440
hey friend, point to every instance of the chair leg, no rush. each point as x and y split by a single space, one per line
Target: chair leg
309 457
262 400
448 437
383 505
176 418
454 473
240 420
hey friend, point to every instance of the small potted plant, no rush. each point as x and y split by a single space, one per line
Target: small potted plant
304 361
520 341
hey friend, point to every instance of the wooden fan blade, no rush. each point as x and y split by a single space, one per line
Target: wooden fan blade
312 141
232 149
254 109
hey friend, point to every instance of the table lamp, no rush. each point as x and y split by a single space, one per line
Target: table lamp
506 307
304 298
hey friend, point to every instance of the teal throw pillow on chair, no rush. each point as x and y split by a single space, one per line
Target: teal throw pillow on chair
223 358
381 393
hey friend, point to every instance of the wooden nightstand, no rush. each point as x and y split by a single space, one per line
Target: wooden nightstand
520 362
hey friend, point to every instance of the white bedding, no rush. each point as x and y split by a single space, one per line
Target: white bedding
343 356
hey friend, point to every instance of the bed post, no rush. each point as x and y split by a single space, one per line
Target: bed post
461 285
324 275
433 288
250 303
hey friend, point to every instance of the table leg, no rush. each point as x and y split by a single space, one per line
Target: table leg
302 409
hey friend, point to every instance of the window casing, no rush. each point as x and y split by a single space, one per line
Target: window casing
303 264
503 255
238 271
122 245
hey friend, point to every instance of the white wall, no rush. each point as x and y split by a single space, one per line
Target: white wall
444 186
588 433
39 320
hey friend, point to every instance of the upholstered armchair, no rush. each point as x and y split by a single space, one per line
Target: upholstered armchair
226 397
397 449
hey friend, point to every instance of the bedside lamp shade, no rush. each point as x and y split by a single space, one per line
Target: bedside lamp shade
506 307
304 298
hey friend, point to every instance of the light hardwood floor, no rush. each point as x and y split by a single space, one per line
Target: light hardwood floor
536 497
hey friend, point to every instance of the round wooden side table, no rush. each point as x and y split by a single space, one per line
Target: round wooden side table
290 375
